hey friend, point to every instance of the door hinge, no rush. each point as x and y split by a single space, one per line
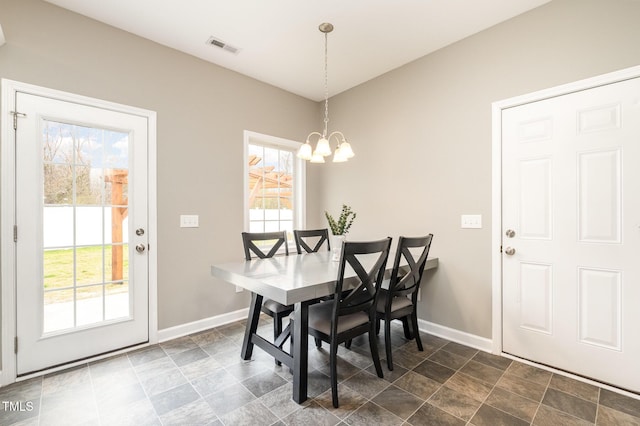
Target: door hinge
500 248
15 233
15 344
16 114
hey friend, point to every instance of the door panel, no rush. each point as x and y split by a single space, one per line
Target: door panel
570 278
81 190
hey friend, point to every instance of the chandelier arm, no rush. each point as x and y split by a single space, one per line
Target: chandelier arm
338 135
313 134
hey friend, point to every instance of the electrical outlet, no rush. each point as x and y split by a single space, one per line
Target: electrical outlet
471 221
189 221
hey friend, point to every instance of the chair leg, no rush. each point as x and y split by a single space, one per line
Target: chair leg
377 326
347 344
387 343
373 346
318 343
291 326
333 364
407 328
277 329
416 332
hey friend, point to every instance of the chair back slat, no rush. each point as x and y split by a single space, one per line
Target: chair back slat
301 237
367 281
408 284
249 238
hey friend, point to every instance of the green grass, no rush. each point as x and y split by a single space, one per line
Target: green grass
58 272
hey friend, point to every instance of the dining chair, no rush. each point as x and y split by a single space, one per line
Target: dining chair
399 301
274 241
352 311
306 237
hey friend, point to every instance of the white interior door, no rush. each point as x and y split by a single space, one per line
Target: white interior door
81 215
571 266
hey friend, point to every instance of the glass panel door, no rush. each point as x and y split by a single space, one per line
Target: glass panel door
81 194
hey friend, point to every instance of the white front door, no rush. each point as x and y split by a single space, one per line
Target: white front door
81 216
571 232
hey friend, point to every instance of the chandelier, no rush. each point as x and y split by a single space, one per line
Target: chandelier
323 146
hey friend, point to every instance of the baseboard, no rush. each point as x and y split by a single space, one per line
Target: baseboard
200 325
477 342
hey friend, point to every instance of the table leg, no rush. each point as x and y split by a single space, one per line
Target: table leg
300 351
252 325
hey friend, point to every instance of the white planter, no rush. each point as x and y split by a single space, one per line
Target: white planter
336 247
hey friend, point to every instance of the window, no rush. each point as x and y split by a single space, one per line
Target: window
274 185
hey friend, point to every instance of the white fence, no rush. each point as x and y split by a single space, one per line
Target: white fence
92 226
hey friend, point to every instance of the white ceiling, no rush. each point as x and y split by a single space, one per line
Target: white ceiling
279 40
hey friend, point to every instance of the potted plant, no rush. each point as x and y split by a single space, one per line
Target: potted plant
339 229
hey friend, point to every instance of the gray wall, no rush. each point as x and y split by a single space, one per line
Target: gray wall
422 137
202 112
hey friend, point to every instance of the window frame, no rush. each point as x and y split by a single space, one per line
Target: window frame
299 177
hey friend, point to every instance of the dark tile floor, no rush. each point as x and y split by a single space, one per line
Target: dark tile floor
201 380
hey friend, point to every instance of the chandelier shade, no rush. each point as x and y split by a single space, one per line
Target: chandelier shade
343 150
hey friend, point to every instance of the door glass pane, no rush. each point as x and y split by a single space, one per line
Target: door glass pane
88 225
58 185
57 226
58 269
89 305
58 310
85 226
58 143
88 265
116 263
116 303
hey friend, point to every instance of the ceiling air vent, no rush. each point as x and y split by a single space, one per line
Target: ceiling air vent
213 41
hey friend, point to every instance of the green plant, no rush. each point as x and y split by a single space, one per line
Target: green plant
341 227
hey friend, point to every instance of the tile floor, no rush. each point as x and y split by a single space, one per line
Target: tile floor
201 380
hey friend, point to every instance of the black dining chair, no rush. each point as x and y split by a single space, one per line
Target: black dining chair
400 300
307 237
273 242
352 311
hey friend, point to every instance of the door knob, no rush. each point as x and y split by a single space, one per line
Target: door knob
140 248
139 232
510 233
510 251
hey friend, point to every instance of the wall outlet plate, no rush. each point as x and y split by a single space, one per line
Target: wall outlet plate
189 221
471 221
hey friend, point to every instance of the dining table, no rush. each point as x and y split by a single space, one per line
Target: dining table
299 280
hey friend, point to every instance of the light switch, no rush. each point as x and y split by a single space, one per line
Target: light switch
471 221
189 221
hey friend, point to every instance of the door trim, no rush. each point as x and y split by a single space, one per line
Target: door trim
8 207
496 177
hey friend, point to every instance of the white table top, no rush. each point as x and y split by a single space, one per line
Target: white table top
290 279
